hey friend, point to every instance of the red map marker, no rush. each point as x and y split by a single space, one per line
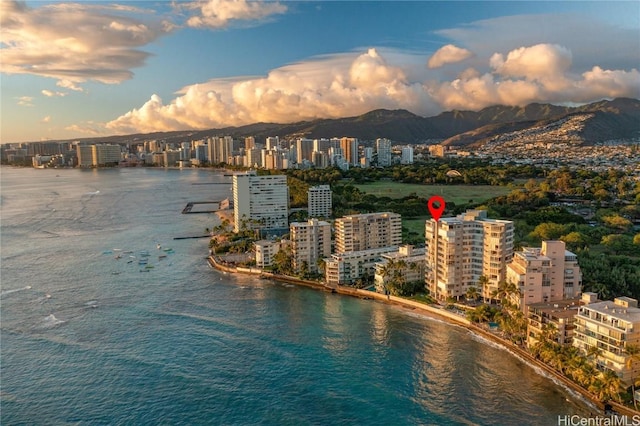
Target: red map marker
436 210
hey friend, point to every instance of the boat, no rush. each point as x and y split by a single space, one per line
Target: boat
162 256
144 270
159 246
149 267
142 262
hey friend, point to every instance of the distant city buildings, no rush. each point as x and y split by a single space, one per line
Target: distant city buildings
347 268
407 155
260 202
320 201
98 155
462 249
383 149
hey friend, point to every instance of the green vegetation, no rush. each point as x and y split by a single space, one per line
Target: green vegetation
456 194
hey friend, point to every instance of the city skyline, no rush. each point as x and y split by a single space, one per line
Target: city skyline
72 70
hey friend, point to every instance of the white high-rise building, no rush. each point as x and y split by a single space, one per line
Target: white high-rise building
220 149
260 202
407 155
310 241
368 231
383 149
546 274
319 199
462 249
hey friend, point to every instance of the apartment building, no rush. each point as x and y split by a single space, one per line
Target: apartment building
559 316
610 326
310 242
383 149
220 149
261 202
462 249
265 251
319 201
367 231
409 261
546 274
347 268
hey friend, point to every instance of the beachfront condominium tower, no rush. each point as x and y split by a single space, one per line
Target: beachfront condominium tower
367 231
319 199
260 202
611 327
462 249
547 274
310 242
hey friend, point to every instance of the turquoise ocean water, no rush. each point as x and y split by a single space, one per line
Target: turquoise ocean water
88 339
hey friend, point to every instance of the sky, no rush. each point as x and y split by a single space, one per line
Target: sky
89 68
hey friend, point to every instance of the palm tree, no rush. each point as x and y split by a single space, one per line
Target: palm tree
611 384
472 293
633 353
483 283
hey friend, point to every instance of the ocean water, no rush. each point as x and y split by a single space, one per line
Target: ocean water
89 339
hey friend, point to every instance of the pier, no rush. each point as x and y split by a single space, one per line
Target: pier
193 207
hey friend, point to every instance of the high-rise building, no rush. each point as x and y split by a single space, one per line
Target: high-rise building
350 150
319 201
321 145
546 274
265 252
368 231
347 268
249 143
304 150
260 202
273 142
462 249
310 241
407 155
220 149
383 149
610 326
85 155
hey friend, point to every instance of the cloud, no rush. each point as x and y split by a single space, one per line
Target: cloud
350 84
46 119
50 93
329 86
222 13
74 43
89 128
25 101
447 55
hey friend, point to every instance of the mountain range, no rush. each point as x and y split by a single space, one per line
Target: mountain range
587 124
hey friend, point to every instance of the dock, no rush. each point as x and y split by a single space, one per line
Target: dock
193 207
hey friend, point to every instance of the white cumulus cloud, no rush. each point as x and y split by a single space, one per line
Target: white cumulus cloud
342 85
448 54
221 13
73 43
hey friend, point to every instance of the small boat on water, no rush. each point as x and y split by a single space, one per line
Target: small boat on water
159 246
145 270
162 256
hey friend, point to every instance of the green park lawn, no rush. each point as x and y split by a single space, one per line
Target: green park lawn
458 194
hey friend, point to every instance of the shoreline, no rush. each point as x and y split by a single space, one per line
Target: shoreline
440 314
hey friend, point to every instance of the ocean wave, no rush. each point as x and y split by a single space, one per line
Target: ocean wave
51 321
15 290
